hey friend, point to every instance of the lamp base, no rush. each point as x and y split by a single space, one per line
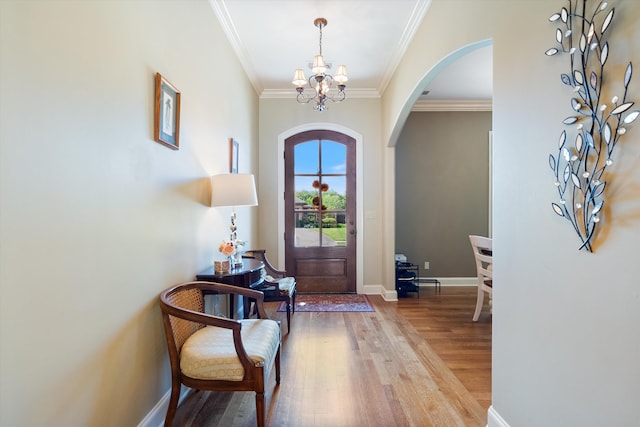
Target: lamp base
236 259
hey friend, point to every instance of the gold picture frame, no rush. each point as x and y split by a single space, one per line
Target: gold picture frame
167 113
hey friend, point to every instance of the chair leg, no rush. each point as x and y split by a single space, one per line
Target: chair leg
173 404
277 362
260 415
293 302
479 303
288 315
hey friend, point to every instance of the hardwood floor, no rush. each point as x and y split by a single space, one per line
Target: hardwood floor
415 362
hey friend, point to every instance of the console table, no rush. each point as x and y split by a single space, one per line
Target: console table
248 275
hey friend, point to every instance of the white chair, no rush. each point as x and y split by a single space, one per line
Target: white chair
483 253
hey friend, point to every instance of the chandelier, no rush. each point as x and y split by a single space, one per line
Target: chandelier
320 83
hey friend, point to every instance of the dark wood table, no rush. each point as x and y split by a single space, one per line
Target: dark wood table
248 275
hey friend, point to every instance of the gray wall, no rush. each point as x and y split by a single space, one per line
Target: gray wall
442 189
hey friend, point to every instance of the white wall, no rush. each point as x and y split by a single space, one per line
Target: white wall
96 218
565 337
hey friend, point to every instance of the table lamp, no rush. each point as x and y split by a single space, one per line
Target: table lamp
233 189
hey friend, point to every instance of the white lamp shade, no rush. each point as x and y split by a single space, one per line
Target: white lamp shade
298 78
233 189
341 74
319 67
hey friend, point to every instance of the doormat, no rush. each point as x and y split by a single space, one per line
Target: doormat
330 303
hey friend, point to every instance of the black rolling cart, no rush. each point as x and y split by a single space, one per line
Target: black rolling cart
407 275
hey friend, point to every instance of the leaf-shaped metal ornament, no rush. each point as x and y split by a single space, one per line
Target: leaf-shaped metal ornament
557 209
583 43
622 108
592 30
606 133
607 20
575 179
563 139
578 77
631 117
597 208
589 139
598 190
579 141
575 104
559 35
604 53
579 165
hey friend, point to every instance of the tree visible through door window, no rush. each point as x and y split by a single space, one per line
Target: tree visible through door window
320 175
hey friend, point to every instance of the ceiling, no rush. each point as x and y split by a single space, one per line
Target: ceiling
274 37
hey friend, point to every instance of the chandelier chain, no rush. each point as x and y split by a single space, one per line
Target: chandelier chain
320 42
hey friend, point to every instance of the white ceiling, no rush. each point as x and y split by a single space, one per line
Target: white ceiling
274 37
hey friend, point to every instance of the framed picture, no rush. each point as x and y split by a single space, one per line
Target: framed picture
167 113
233 161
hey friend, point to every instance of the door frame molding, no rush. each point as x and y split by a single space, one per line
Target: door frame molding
359 191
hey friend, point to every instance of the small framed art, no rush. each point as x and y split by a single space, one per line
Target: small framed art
167 113
233 159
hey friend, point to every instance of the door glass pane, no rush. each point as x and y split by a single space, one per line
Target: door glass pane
334 226
306 158
334 158
307 201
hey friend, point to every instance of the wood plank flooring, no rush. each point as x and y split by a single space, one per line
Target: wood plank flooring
415 362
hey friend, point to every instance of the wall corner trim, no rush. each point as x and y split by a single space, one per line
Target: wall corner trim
494 419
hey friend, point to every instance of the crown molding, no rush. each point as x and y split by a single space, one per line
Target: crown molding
222 13
291 93
418 13
453 105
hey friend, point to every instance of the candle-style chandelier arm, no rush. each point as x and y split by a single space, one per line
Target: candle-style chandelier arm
320 83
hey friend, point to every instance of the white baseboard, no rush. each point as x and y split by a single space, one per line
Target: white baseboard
494 419
451 281
393 295
386 294
155 418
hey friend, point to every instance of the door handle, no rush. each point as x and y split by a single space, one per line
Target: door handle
353 231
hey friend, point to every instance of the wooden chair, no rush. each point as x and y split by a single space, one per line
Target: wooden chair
483 253
284 287
215 353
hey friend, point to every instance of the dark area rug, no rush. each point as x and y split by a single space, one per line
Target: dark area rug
330 302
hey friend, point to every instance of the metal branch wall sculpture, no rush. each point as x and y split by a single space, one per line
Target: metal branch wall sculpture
582 160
